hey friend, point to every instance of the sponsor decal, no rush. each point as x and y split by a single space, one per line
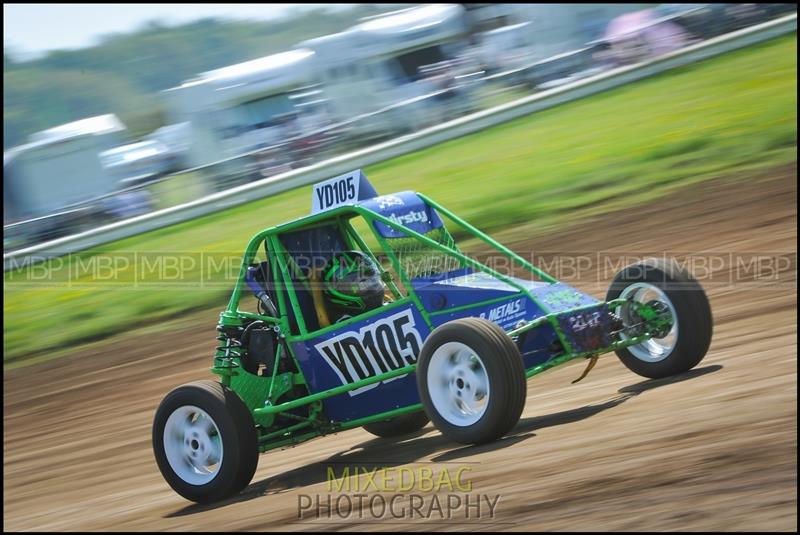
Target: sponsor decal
384 345
586 330
409 217
387 201
505 312
583 321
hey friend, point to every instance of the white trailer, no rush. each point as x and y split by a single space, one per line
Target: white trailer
507 47
60 168
137 163
176 138
241 107
387 60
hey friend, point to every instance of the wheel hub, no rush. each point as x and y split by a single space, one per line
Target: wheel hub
661 315
193 445
662 321
461 392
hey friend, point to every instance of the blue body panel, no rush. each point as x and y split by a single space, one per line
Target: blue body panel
463 287
393 338
383 342
537 345
559 296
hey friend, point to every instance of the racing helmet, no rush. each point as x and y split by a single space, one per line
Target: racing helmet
351 284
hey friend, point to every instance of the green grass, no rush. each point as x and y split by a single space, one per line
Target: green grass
628 145
179 189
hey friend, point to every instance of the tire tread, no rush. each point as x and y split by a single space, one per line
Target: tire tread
509 386
695 322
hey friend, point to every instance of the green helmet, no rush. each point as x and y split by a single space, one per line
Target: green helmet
352 284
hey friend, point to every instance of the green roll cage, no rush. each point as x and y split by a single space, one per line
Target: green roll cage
262 394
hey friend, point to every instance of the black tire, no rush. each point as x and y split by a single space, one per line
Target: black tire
399 425
236 429
695 322
504 371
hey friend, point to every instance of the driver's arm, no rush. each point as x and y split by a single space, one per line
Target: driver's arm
319 300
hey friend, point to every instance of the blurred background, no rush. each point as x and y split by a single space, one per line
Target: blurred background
163 113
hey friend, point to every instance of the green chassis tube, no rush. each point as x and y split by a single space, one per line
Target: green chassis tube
261 394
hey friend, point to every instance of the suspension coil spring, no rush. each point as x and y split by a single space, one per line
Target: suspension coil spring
228 348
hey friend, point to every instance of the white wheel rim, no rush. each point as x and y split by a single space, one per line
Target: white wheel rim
458 384
193 445
654 349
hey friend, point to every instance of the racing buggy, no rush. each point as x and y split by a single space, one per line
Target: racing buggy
367 314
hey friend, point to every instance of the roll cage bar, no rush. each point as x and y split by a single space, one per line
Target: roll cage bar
277 256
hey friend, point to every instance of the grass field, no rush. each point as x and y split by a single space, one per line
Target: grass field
736 112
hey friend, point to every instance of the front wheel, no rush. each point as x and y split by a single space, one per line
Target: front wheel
205 441
471 380
664 286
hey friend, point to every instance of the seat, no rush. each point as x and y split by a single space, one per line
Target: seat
309 249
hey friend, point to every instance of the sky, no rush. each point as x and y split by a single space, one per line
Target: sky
32 29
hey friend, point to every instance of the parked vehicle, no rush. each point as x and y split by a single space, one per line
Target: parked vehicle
383 62
139 162
240 108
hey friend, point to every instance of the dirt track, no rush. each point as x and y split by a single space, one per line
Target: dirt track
715 449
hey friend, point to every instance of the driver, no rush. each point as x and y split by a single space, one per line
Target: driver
350 285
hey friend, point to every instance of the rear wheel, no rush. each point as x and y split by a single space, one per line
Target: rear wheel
205 441
471 381
665 287
399 425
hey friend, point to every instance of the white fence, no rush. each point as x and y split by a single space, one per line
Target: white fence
399 146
